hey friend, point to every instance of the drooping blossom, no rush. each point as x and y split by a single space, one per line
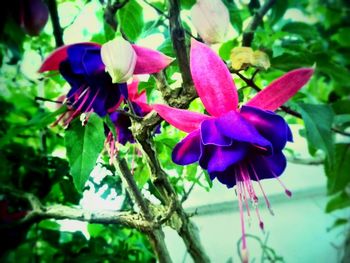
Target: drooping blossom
236 145
33 16
211 20
92 88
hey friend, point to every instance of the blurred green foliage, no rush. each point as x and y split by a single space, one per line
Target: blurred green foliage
32 152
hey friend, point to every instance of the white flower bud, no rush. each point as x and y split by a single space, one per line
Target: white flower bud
211 20
119 58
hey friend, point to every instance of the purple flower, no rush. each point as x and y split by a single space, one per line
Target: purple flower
91 86
235 145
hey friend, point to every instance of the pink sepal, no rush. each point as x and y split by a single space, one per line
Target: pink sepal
184 120
282 89
139 98
150 61
212 80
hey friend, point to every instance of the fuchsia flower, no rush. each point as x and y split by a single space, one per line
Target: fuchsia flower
91 86
235 145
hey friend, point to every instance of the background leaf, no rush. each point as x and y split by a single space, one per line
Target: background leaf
318 121
338 172
84 144
131 20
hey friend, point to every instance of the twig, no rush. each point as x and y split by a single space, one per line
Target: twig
305 161
48 100
179 43
57 29
39 212
155 235
160 12
111 10
187 193
248 34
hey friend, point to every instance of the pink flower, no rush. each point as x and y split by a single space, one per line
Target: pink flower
236 145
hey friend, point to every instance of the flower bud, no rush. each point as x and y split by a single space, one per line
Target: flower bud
211 20
119 58
241 57
33 16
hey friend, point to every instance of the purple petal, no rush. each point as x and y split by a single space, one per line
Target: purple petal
234 126
227 177
210 134
219 158
122 124
267 167
53 61
270 125
281 90
188 150
150 61
92 62
76 55
212 80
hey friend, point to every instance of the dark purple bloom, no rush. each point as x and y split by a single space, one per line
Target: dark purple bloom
91 86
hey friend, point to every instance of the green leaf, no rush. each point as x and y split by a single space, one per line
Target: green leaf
289 61
235 15
318 121
167 48
84 144
187 4
342 37
278 10
225 49
338 222
148 86
110 125
339 201
304 30
338 172
131 20
95 229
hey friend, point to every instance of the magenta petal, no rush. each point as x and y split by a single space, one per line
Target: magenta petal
188 150
184 120
52 62
282 89
212 80
150 61
133 89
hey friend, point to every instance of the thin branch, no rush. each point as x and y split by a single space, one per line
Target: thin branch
187 230
37 98
111 10
40 212
132 188
155 235
248 34
304 161
188 192
160 12
57 29
179 43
